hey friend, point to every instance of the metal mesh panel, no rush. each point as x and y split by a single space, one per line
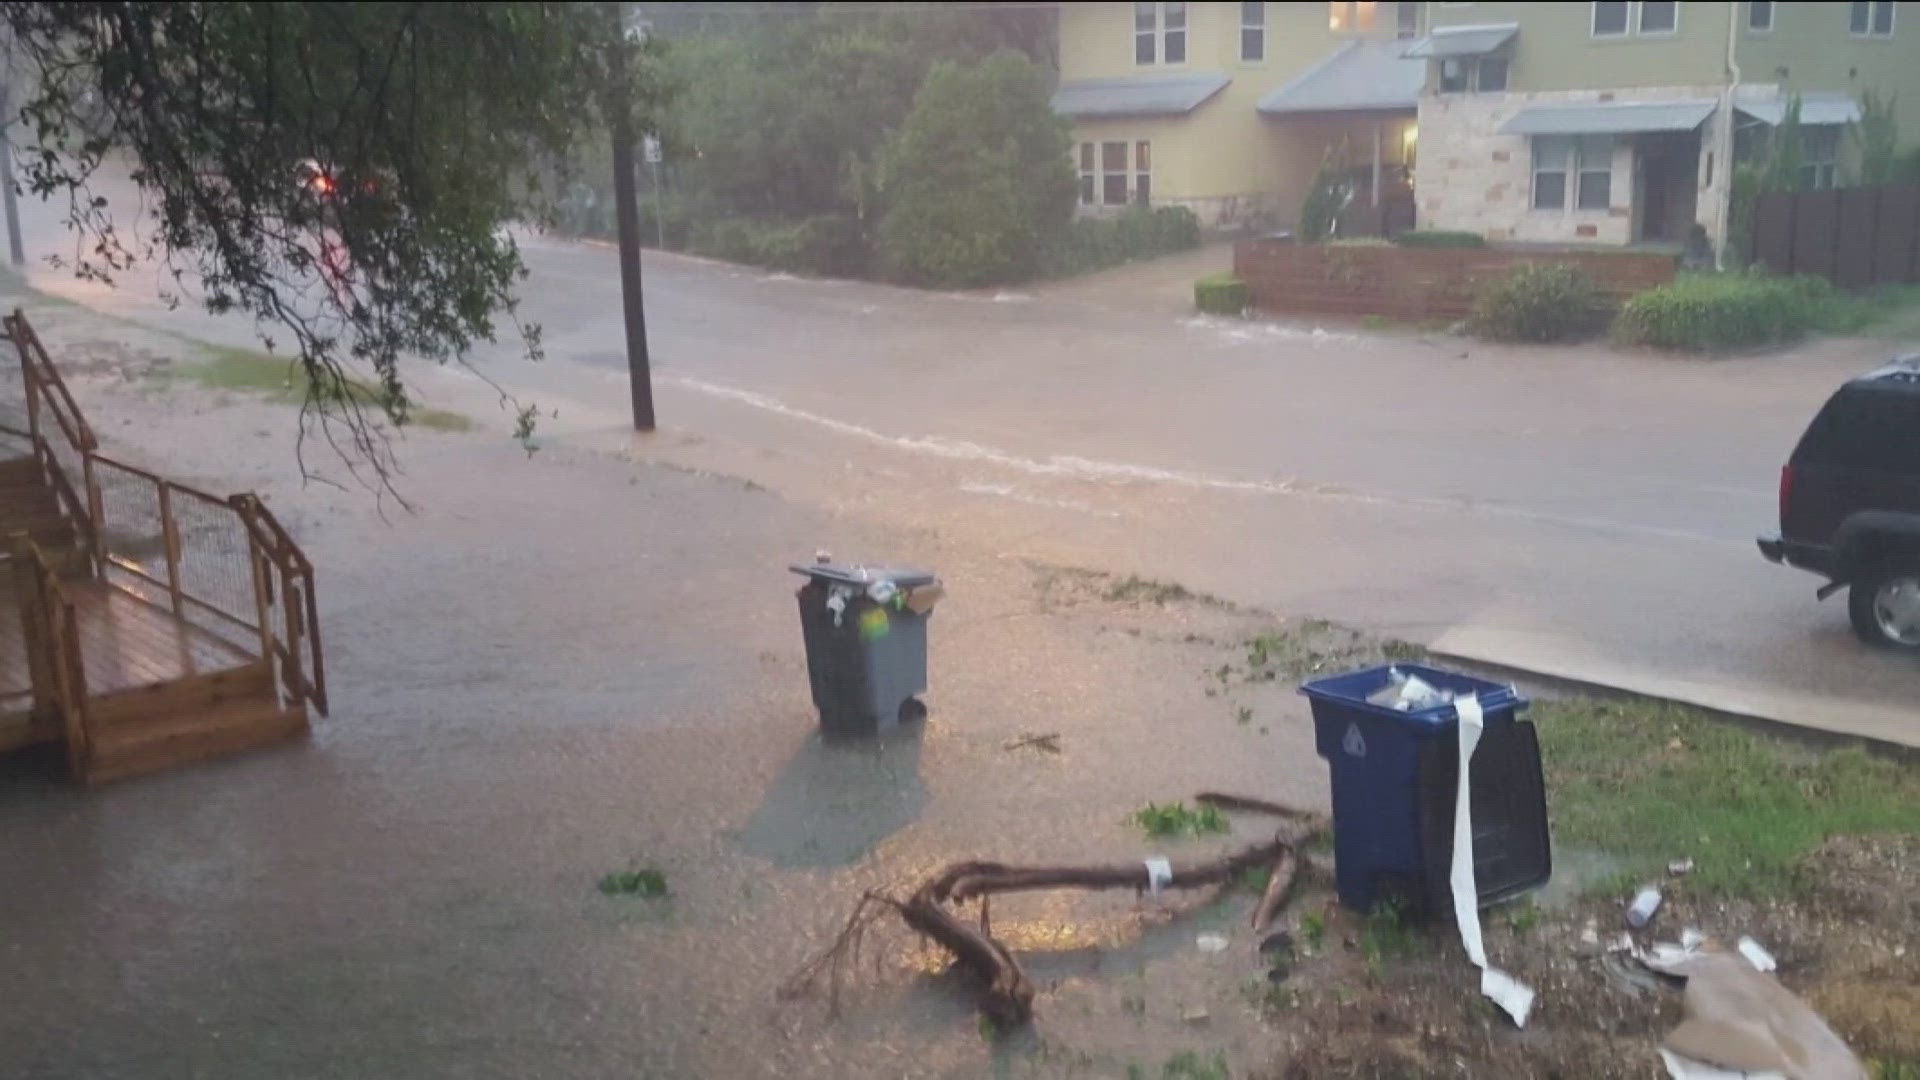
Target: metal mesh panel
13 391
216 567
130 528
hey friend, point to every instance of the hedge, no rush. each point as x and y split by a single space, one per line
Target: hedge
1221 294
1439 238
1541 302
1718 312
824 245
1093 243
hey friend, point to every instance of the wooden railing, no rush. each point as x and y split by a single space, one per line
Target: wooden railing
52 645
225 565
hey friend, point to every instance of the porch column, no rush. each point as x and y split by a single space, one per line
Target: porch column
1376 163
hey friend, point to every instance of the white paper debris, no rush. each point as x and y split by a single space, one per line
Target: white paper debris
1504 990
1159 873
1759 957
1679 1068
1211 943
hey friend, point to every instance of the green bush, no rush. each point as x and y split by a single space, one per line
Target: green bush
978 178
824 245
1221 294
1137 232
1540 302
1440 238
1717 312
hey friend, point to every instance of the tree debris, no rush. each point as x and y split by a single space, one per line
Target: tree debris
1006 994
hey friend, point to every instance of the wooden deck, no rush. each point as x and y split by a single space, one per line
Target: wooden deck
125 643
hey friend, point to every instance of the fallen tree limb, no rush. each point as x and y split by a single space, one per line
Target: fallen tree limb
1006 992
1256 806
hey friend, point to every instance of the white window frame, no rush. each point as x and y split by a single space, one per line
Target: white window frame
1158 33
1593 21
1825 171
1087 166
1872 7
1258 7
1582 168
1576 168
1471 83
1640 15
1566 172
1142 190
1771 13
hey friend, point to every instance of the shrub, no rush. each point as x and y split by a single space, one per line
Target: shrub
978 176
825 245
1717 312
1221 294
1135 233
1329 195
1540 302
1440 238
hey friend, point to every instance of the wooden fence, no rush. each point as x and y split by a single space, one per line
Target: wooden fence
1415 284
1854 237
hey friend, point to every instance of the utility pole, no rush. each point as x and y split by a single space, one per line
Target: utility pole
14 248
626 208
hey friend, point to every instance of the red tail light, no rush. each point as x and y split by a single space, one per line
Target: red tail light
1786 492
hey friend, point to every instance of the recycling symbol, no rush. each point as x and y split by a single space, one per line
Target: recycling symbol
1354 744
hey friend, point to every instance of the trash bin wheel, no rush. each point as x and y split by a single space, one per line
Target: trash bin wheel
912 711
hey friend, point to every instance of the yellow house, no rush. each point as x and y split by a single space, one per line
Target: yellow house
1231 108
1599 122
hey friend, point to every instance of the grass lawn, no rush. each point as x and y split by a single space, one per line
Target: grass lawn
1649 782
252 371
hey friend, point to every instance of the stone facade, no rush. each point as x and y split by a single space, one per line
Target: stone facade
1472 178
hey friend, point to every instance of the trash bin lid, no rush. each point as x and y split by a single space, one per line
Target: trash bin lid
862 576
1350 691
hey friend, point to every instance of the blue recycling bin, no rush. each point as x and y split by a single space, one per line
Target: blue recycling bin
1395 776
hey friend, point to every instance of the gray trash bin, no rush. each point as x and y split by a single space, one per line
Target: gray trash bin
866 635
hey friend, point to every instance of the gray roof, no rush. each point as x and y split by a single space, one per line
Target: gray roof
1137 95
1447 41
1609 118
1359 75
1814 109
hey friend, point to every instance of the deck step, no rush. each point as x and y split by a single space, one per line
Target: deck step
176 697
130 749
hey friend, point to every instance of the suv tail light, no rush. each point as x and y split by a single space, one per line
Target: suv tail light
1786 492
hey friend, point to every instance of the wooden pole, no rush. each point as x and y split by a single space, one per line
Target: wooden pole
626 209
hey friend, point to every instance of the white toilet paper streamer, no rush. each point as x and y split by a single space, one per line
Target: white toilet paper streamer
1505 991
1159 873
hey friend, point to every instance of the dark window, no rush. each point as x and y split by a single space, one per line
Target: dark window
1609 17
1595 154
1883 17
1144 26
1659 16
1453 75
1143 172
1759 14
1871 17
1407 24
1552 157
1113 173
1491 73
1866 429
1087 174
1253 30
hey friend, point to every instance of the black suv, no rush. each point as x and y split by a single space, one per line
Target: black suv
1850 503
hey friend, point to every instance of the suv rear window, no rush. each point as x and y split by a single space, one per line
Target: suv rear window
1865 429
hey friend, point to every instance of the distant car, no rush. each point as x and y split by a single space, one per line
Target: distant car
1850 503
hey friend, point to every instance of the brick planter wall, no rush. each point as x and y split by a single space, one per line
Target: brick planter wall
1415 284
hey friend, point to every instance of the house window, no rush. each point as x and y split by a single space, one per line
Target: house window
1760 15
1143 172
1088 174
1659 16
1253 30
1820 155
1594 155
1351 16
1872 18
1173 38
1113 174
1407 20
1490 74
1609 18
1159 33
1587 158
1486 74
1552 155
1146 25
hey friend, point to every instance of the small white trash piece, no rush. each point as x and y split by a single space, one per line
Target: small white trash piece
1211 943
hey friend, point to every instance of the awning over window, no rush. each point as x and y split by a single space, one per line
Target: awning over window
1359 76
1137 95
1448 41
1610 118
1814 109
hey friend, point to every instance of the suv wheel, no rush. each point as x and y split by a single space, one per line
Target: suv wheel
1885 604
